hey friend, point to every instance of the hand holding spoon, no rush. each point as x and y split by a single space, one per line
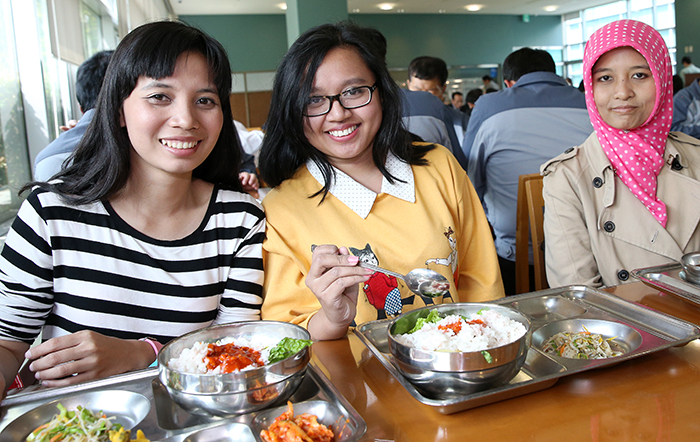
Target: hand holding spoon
424 282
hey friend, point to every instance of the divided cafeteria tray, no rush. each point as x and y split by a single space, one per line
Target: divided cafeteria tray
140 401
669 278
638 331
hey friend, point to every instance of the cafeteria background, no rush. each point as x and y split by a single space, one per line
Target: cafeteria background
44 41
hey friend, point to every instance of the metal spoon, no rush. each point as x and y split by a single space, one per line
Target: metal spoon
424 282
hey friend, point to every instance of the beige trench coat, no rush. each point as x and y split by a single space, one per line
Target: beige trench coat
597 231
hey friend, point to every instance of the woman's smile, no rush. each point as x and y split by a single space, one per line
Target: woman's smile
342 133
179 145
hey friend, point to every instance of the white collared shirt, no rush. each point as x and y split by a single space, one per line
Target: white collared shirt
360 199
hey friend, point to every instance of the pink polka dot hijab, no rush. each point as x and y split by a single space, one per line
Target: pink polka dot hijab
637 155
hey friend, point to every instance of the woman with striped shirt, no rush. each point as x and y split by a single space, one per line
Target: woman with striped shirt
146 235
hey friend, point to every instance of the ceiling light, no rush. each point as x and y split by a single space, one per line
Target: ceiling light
473 7
400 11
441 11
282 6
551 8
386 6
355 11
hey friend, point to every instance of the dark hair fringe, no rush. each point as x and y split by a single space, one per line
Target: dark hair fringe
100 165
285 147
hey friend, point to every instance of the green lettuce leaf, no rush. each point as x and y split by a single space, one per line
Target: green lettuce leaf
286 348
432 318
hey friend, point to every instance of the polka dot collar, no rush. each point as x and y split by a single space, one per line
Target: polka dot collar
360 199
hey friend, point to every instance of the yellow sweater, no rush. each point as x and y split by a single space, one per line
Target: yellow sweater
446 224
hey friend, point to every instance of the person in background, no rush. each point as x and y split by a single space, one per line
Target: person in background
457 100
582 86
248 171
429 74
688 68
488 84
677 84
513 132
347 177
430 120
471 98
248 174
88 82
251 140
147 234
424 115
628 197
686 110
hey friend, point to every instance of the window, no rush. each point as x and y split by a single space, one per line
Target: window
14 165
579 26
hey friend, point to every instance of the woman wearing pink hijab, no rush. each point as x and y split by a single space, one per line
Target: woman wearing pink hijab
629 196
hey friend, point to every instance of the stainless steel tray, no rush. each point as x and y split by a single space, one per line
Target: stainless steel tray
140 401
669 278
648 331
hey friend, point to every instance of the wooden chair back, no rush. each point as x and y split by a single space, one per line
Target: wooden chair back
535 205
690 78
529 225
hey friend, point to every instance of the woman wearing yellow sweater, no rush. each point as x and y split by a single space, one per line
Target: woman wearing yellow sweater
347 176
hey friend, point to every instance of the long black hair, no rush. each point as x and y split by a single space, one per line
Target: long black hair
286 148
100 165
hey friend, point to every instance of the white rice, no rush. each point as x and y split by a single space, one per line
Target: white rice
191 360
497 331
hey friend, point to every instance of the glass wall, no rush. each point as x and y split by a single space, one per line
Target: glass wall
579 26
14 166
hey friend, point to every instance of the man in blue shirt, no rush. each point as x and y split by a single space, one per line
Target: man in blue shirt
514 131
427 117
88 83
429 74
686 110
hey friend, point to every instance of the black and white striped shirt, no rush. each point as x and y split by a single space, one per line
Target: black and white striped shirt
67 268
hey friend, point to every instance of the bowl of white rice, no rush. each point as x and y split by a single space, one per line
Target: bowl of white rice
204 390
458 349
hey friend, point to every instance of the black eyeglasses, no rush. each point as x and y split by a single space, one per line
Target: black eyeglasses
350 99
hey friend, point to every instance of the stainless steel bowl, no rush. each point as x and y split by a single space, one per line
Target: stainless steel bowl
623 338
691 267
442 375
235 393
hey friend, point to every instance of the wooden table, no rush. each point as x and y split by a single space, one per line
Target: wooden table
651 398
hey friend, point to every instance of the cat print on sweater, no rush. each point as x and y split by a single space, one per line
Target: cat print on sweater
381 290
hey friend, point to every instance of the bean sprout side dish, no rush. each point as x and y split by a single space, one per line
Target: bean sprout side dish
581 345
81 425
